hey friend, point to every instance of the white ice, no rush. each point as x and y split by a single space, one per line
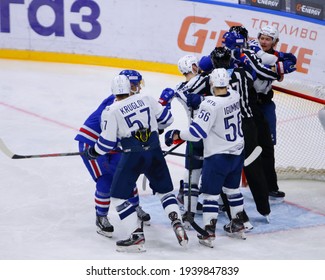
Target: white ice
47 205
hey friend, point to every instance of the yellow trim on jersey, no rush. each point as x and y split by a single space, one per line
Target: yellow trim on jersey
89 60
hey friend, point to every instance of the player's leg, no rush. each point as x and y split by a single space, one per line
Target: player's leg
99 171
161 183
122 189
193 169
236 227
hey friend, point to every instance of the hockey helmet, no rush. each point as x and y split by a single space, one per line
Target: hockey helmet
220 57
134 76
219 78
135 79
240 30
121 85
233 40
185 64
270 31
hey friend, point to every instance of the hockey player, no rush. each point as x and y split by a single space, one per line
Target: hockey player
218 123
189 93
263 86
242 81
103 168
133 121
268 37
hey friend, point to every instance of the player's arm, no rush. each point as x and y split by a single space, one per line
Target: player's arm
108 138
197 130
163 114
252 63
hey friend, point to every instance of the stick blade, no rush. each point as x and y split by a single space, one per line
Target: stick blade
5 149
253 156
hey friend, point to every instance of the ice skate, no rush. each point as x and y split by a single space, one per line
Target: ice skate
178 229
134 244
187 220
236 227
142 215
208 241
276 196
104 227
267 218
247 223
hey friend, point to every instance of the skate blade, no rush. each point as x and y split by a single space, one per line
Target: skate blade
183 242
248 226
131 249
181 237
207 243
105 233
147 223
237 235
276 200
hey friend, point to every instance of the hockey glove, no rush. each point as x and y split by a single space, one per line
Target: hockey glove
170 135
193 100
282 56
166 96
285 67
91 154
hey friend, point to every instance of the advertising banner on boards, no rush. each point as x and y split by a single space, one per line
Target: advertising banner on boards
157 31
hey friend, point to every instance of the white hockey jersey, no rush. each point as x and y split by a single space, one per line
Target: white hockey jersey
124 117
196 85
218 123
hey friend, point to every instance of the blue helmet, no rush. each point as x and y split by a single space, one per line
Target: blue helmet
239 29
134 76
232 40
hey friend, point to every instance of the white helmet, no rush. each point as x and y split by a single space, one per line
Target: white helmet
270 31
121 85
185 64
219 78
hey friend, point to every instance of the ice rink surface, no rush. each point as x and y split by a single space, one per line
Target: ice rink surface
47 205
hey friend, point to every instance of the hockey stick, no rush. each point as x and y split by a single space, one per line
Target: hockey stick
253 156
11 155
165 153
189 216
183 155
249 160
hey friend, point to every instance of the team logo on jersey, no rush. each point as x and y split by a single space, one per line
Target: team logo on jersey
142 134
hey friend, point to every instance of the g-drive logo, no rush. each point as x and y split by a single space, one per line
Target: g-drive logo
275 4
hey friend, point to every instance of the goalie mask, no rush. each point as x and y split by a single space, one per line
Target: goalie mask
220 57
135 79
121 85
185 64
